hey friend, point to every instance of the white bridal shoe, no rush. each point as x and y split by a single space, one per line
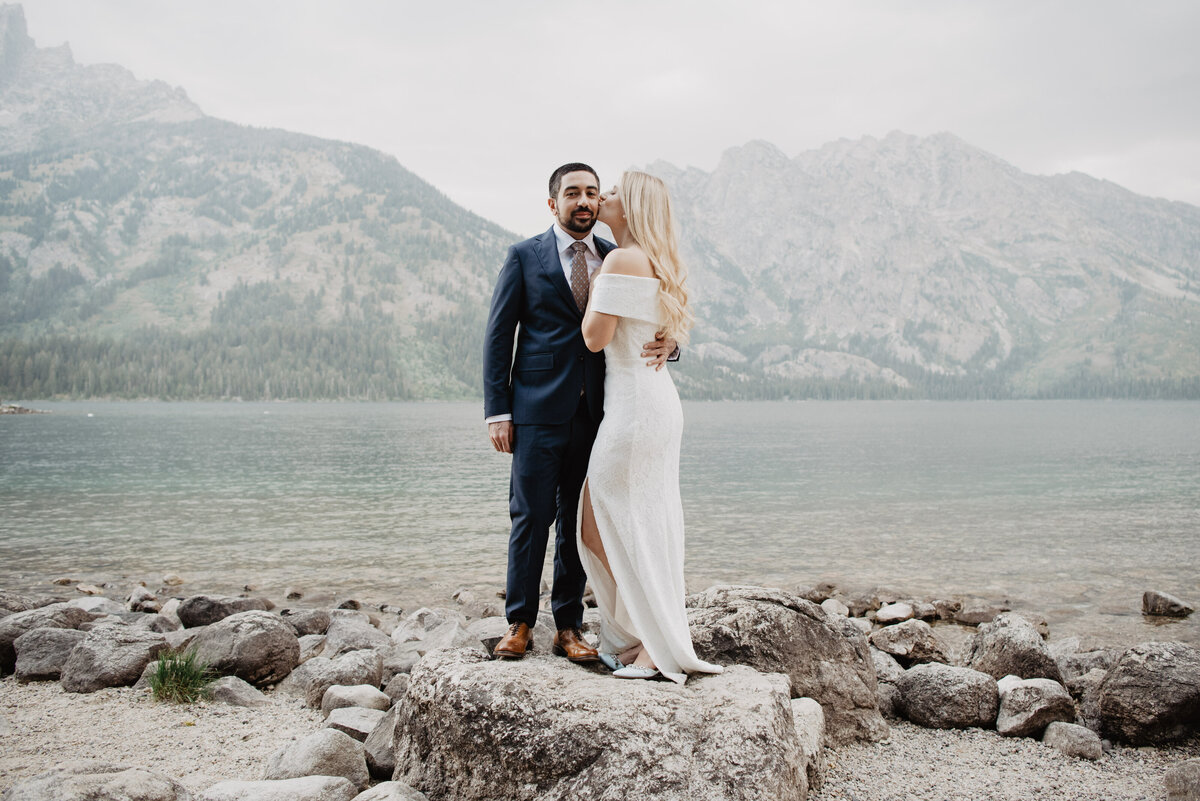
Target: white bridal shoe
611 661
635 672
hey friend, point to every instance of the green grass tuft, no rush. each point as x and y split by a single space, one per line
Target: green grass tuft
181 678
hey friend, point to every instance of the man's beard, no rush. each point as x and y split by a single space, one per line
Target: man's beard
578 226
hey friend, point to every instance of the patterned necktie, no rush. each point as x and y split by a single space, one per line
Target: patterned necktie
579 275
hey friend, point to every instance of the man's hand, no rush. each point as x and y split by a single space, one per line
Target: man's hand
658 350
501 434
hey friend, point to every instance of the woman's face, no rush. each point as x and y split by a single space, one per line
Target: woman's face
611 208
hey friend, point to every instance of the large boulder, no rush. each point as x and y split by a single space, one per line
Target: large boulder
314 677
944 697
53 616
41 653
203 610
255 646
826 658
1011 645
97 781
911 642
325 752
303 788
110 656
346 634
1029 706
474 729
1152 694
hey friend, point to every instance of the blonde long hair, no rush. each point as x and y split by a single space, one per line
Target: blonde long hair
652 225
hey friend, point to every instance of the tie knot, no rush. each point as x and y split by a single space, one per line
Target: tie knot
578 246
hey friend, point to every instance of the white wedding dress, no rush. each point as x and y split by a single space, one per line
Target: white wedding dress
633 480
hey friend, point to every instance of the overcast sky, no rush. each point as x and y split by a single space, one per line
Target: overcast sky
484 99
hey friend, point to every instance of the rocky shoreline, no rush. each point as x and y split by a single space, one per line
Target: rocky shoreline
9 408
827 694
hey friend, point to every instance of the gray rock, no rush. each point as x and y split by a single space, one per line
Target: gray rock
1027 708
862 624
256 646
424 619
826 658
311 645
1072 666
912 642
380 745
1183 781
396 687
41 653
366 696
947 609
889 701
204 610
304 788
325 752
887 669
314 677
810 732
943 697
862 603
98 605
475 729
1086 689
1074 741
97 781
53 616
390 791
488 630
1011 644
13 602
170 608
1165 605
235 692
400 659
110 656
143 600
181 639
451 634
307 621
354 721
835 607
350 634
894 613
1007 683
1152 694
976 611
819 593
923 610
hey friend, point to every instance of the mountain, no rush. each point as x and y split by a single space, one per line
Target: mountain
149 250
927 265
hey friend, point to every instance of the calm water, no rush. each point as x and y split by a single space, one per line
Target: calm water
1071 509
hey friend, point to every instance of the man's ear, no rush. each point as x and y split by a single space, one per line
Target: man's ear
553 202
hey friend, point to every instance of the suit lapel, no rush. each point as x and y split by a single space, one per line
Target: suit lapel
551 266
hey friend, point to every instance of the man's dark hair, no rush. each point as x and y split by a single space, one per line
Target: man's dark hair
575 166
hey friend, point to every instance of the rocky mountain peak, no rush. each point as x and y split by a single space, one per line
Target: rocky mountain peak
15 41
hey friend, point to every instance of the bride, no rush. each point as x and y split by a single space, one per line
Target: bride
630 514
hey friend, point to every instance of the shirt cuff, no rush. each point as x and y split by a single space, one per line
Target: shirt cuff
674 357
497 418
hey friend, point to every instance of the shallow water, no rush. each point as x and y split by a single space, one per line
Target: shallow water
1072 509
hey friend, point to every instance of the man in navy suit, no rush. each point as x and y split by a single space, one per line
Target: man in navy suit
543 405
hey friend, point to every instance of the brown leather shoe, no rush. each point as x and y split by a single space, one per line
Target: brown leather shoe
514 643
570 643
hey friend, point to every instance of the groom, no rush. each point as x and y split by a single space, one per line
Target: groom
544 404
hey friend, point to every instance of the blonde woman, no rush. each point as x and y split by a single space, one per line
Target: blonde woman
631 518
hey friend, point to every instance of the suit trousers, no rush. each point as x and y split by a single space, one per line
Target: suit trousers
549 466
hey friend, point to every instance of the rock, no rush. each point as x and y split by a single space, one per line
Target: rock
110 656
311 645
976 611
894 613
293 594
235 692
314 677
1152 694
354 721
41 653
943 697
924 611
1165 605
349 634
396 687
810 732
181 639
889 701
833 606
307 621
488 630
1183 781
1010 644
474 729
947 609
172 580
325 752
364 695
97 605
89 589
170 609
826 658
256 646
1007 683
142 600
15 602
451 634
390 791
863 603
818 594
54 616
304 788
400 659
1072 666
380 745
1074 741
424 619
97 781
887 669
1028 707
204 610
350 603
911 643
1086 689
862 624
1039 623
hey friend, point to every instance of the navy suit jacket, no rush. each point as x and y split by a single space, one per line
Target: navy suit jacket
532 302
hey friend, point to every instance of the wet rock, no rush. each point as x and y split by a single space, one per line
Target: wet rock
256 646
310 680
1028 707
303 788
912 642
110 656
41 653
1183 781
1011 644
97 781
943 697
1152 694
307 621
325 752
894 613
1165 605
584 735
1074 741
204 610
827 659
363 695
235 692
354 721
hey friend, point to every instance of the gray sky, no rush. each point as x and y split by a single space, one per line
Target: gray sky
484 99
